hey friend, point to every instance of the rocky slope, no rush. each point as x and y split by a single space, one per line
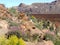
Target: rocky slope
32 31
25 25
4 12
40 8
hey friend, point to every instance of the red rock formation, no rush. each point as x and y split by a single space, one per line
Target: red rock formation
4 12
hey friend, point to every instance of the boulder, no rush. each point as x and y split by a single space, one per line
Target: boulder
3 27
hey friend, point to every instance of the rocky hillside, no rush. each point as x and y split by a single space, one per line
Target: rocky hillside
17 28
28 29
40 8
4 13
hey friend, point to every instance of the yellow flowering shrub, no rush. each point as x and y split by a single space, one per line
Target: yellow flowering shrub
13 40
3 41
21 42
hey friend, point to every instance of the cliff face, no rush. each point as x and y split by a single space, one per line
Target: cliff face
41 8
4 12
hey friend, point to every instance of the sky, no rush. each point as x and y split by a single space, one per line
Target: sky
10 3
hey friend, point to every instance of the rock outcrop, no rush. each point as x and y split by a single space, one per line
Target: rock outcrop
3 27
40 8
4 13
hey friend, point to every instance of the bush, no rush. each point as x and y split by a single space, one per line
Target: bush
17 33
50 37
21 42
13 23
42 24
57 42
3 41
13 12
13 40
33 19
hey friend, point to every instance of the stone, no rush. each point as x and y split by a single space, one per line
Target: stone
3 27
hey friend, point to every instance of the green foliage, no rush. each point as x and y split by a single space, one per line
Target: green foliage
35 37
13 23
13 12
50 37
3 41
58 30
34 19
29 37
4 18
55 39
57 42
13 40
21 42
46 23
37 24
42 24
17 33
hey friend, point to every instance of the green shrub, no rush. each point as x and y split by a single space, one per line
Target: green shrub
42 24
35 37
17 33
13 23
13 40
13 12
21 42
33 19
58 31
57 42
50 37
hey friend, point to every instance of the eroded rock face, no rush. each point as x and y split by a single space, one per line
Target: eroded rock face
4 24
1 5
40 43
29 26
30 43
47 31
57 0
4 13
3 27
41 8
